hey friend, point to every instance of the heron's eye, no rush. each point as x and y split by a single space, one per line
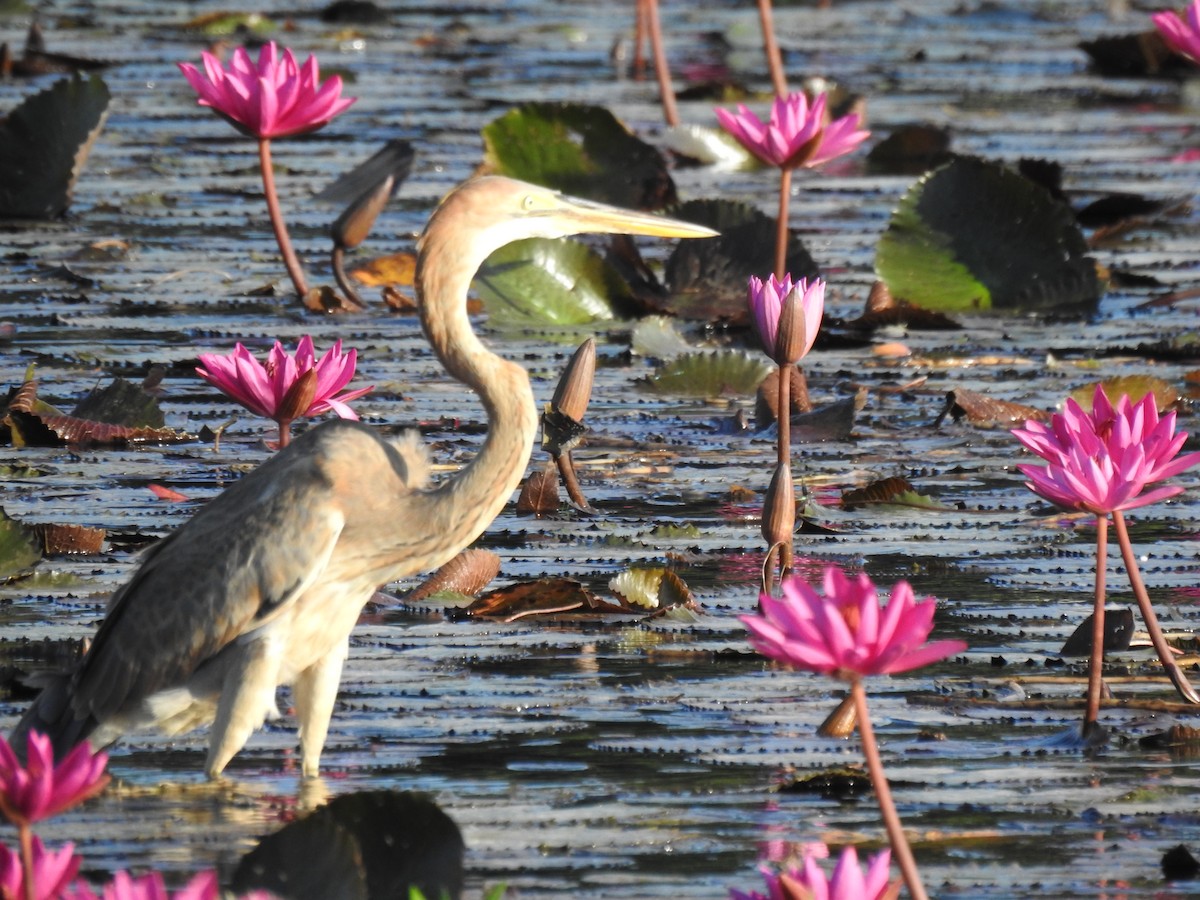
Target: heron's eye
529 203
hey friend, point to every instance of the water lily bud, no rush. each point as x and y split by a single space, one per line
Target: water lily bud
353 225
790 343
574 390
779 507
299 396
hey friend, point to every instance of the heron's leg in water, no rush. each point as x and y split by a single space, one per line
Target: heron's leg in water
247 696
314 694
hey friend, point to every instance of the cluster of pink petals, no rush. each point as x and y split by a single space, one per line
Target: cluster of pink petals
275 98
51 871
40 789
765 299
1103 460
797 134
262 389
148 887
1181 34
847 882
847 632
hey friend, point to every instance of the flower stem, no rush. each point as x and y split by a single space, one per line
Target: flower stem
1096 664
29 876
277 224
771 45
887 808
339 273
781 225
783 446
666 92
285 433
1165 656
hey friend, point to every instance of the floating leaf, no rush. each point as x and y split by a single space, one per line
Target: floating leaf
547 282
832 784
709 145
658 338
1118 633
1166 395
19 547
974 235
709 374
651 588
33 423
467 574
539 496
894 491
1144 53
44 144
987 412
542 597
121 402
68 540
222 23
397 269
910 150
706 279
580 150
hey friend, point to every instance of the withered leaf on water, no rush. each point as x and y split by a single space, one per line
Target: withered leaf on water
893 491
468 573
831 422
539 496
1118 633
60 539
882 310
1166 395
651 588
118 410
910 150
987 412
542 597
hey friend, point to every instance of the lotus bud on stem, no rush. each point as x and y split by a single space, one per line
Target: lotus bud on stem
571 399
352 227
298 398
778 523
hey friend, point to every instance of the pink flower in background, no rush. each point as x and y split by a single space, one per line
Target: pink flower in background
846 632
51 871
847 882
40 789
283 389
767 306
1182 34
797 134
273 98
1101 461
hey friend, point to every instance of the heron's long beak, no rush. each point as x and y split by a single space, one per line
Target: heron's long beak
587 215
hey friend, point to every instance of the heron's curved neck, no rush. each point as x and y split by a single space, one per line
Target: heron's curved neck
464 506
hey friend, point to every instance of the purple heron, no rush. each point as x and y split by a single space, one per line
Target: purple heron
262 587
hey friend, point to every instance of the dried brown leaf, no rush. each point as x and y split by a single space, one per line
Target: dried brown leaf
541 597
62 540
468 573
987 412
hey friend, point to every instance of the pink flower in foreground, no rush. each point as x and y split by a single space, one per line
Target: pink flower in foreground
275 98
279 390
797 134
51 871
847 632
1182 34
1103 460
768 304
40 789
809 882
151 887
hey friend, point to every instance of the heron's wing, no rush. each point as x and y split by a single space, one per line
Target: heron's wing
244 557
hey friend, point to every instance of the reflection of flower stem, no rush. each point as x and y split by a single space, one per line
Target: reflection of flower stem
25 835
774 59
1096 664
1143 598
281 234
883 793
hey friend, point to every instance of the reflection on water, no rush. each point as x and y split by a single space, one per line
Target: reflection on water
616 760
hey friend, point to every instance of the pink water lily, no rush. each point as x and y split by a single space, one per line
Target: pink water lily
846 632
798 133
271 99
846 882
284 389
1103 460
40 789
124 886
768 305
52 871
1182 33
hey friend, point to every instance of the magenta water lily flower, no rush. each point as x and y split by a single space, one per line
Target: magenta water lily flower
40 789
271 99
283 389
1182 33
846 882
1103 460
847 632
52 871
798 133
767 302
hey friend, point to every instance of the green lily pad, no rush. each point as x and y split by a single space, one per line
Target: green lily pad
581 150
18 547
1166 395
707 280
217 24
974 235
709 374
540 281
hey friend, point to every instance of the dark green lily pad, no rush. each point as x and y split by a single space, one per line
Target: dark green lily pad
19 548
540 281
44 143
707 279
974 235
121 403
581 150
709 374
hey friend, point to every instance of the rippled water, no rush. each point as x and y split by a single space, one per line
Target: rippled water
628 759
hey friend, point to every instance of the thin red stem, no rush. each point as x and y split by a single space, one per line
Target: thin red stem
285 433
277 224
665 90
771 45
25 836
639 37
781 229
1165 656
1096 664
783 445
901 852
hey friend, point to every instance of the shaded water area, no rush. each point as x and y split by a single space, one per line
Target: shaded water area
629 759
